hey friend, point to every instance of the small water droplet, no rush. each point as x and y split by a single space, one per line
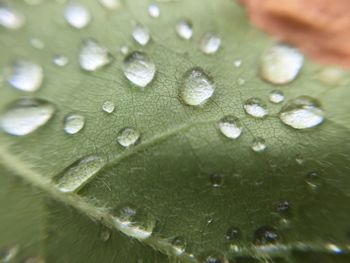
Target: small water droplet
128 137
153 10
25 76
184 29
213 257
110 4
255 107
26 115
179 245
313 180
139 68
302 113
108 106
265 235
10 18
141 34
197 87
60 60
281 64
216 180
133 221
276 96
76 14
9 253
299 159
237 63
209 43
230 126
79 174
34 260
124 49
233 234
93 55
240 81
105 234
37 43
73 123
283 207
259 145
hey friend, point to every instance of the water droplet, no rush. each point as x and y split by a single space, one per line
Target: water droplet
26 76
209 43
259 145
9 253
313 180
108 106
255 107
73 123
213 257
179 245
197 87
37 43
105 234
237 63
25 116
216 180
10 18
299 159
184 29
302 113
265 235
331 75
93 55
128 137
139 68
133 221
240 81
60 60
276 96
110 4
79 174
233 234
76 15
230 126
124 49
141 34
281 64
153 10
283 207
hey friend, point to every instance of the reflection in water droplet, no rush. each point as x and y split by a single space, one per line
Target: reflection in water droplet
93 55
128 137
10 18
76 14
255 107
209 43
108 106
60 60
179 245
133 221
37 43
79 174
184 29
197 87
9 253
216 180
141 34
139 68
26 76
276 96
233 234
153 10
259 145
281 64
73 123
302 113
25 116
265 235
110 4
230 126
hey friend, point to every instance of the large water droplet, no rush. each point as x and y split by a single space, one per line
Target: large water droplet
108 106
281 64
230 126
110 4
25 76
128 137
76 14
133 221
233 234
197 87
184 29
276 96
26 115
209 43
266 235
139 68
141 34
302 113
60 60
93 55
73 123
79 174
153 10
259 145
10 18
179 245
255 107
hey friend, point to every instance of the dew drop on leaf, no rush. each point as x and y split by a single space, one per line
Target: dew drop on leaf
255 107
266 235
184 29
230 126
77 15
73 123
25 76
179 245
209 43
281 64
37 43
276 96
283 207
141 34
26 115
93 55
60 60
153 10
124 49
302 113
213 257
237 63
105 234
331 76
259 145
313 180
78 174
10 18
233 234
139 68
197 87
240 81
216 180
108 106
128 137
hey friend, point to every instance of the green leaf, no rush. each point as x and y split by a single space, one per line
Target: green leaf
168 175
